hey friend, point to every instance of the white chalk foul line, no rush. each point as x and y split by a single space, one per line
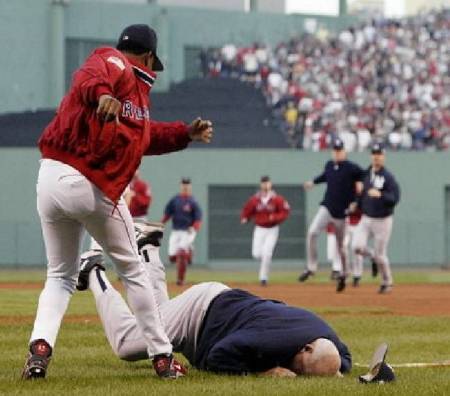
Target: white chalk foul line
445 363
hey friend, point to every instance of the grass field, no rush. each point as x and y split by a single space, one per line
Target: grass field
84 364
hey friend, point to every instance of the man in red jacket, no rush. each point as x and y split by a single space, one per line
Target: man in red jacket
138 198
90 152
268 210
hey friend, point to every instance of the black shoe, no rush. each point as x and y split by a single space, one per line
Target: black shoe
148 233
340 284
38 360
89 260
334 275
167 367
303 277
374 268
385 289
263 282
356 280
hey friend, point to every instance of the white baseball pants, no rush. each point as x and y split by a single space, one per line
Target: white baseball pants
181 240
333 255
68 203
319 223
356 260
263 245
380 229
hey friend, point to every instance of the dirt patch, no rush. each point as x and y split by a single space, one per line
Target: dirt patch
414 300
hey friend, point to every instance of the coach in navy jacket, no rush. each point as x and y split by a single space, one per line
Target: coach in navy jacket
380 194
340 176
385 182
244 333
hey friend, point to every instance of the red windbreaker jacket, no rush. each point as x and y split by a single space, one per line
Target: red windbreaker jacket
141 199
108 154
269 214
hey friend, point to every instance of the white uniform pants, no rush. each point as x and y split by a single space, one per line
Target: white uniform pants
264 241
68 203
380 229
181 240
319 223
356 260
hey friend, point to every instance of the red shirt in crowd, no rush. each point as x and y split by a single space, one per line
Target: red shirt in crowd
108 153
141 198
266 211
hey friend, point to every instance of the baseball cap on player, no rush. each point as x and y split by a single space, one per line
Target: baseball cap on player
338 144
377 148
265 178
139 38
186 180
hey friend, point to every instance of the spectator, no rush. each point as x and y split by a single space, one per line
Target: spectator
387 80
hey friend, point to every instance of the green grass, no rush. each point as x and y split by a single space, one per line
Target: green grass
195 275
84 364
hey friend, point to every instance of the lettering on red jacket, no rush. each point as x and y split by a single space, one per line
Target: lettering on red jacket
108 154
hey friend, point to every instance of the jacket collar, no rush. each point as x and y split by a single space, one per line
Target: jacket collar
143 73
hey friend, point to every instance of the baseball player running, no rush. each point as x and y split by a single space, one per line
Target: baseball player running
268 210
340 175
217 328
380 195
90 152
186 217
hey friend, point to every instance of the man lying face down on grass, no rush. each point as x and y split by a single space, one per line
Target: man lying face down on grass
217 328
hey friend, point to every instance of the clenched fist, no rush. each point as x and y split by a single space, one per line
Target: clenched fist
108 108
201 130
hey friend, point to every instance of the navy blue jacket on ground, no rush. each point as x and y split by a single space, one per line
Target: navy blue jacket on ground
340 178
243 333
384 181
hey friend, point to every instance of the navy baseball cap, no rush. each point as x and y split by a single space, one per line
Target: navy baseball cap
265 178
186 180
377 148
338 144
141 38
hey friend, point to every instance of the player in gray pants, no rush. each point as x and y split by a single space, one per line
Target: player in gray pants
340 176
380 195
193 322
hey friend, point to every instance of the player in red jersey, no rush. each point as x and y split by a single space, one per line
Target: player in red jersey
268 210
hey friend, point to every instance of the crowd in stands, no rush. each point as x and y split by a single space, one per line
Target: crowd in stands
386 80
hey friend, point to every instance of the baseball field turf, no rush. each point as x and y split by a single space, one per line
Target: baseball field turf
414 320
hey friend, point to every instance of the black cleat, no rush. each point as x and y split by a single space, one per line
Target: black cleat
263 283
334 275
38 360
89 260
385 289
303 277
167 367
356 280
340 284
374 268
148 233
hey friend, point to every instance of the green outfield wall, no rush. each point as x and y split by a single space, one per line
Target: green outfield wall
43 41
421 227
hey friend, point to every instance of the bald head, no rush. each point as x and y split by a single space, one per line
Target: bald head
320 357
